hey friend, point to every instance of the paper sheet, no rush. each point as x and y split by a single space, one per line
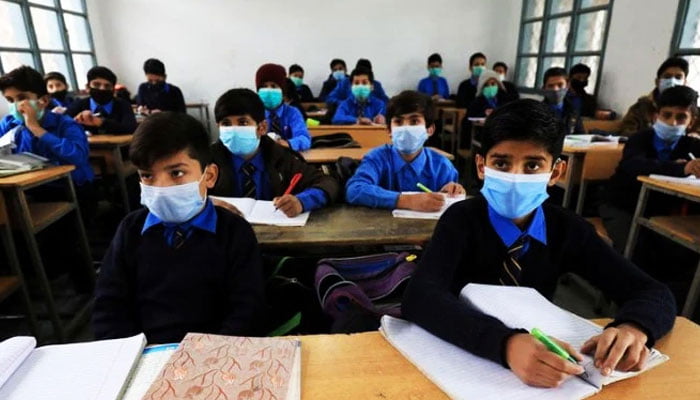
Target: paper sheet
688 180
263 212
147 369
449 201
13 352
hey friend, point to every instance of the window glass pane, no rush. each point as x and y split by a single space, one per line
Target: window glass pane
46 29
557 35
77 32
12 30
11 60
691 30
73 5
534 8
694 72
560 6
55 62
82 63
527 71
593 3
591 31
531 38
593 62
549 62
49 3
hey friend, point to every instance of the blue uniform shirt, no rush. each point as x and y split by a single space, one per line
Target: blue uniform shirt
426 86
64 143
343 90
107 107
383 175
509 232
205 220
664 148
349 110
293 127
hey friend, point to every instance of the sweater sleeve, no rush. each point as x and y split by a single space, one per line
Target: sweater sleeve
123 122
68 144
635 161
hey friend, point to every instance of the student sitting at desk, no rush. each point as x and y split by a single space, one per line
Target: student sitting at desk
343 90
501 69
361 107
388 170
555 85
434 85
339 72
156 94
508 236
57 86
180 264
253 165
283 120
490 94
467 89
296 74
582 101
102 112
662 149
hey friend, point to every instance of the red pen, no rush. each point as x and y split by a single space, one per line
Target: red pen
295 179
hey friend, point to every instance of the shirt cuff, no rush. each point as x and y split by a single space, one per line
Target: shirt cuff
312 199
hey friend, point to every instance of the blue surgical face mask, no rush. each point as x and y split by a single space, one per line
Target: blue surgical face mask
477 70
667 83
435 71
490 91
668 133
239 140
174 204
555 96
271 97
339 75
18 115
514 195
408 139
361 92
297 81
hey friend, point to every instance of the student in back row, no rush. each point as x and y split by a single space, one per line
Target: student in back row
467 89
387 171
501 69
491 93
180 264
102 112
296 74
362 107
509 236
57 87
343 89
555 85
434 85
156 94
252 165
339 72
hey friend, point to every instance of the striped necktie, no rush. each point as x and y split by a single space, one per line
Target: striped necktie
249 189
361 109
276 124
511 272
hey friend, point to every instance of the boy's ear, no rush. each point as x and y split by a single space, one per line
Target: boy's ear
431 129
557 172
211 174
262 128
44 101
480 162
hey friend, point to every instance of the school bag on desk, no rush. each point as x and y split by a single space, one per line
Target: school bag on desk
355 292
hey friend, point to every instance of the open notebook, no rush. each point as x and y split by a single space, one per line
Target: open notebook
87 371
230 367
688 180
465 376
401 213
263 212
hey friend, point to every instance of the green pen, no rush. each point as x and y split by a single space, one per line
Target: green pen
423 188
558 350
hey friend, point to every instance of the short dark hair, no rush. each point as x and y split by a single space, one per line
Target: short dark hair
295 68
365 63
154 66
166 133
475 56
362 71
101 72
552 72
24 78
239 102
679 96
337 61
580 69
435 57
500 64
410 101
55 76
681 63
524 120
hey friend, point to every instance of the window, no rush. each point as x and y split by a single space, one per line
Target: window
561 33
686 39
49 35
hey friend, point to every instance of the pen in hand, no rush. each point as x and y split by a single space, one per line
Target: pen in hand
552 346
292 183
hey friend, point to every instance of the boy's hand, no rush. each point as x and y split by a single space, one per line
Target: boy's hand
535 365
227 206
283 142
88 119
421 201
30 118
488 111
289 205
379 119
364 121
59 110
453 189
693 168
622 348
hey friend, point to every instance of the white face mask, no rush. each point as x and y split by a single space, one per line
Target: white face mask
175 204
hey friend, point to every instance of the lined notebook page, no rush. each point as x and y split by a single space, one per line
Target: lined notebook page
13 352
401 213
147 369
688 180
87 371
264 213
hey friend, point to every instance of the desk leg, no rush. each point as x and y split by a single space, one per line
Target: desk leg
82 236
581 196
121 177
634 229
571 171
691 301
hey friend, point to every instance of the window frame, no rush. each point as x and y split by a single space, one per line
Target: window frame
681 17
25 7
574 14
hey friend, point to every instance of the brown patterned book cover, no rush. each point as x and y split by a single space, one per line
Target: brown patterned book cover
215 367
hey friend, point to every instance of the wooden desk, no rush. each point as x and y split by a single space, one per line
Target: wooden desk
607 125
109 149
684 230
330 155
443 103
366 366
317 114
365 135
345 225
32 218
309 104
451 118
586 164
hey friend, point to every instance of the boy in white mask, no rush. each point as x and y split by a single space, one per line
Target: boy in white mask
509 236
180 264
388 170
